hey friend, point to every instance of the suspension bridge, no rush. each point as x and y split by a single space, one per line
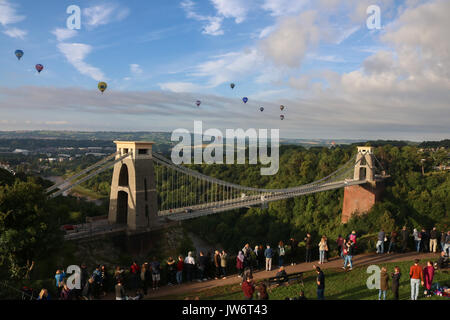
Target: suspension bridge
148 189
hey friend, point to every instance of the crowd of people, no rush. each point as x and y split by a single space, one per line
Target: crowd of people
424 241
139 278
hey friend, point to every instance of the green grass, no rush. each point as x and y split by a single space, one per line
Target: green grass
339 285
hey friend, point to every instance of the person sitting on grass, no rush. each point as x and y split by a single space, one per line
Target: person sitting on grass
301 296
262 292
281 275
442 262
248 288
120 291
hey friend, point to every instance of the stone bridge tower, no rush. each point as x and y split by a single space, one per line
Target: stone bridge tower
133 199
359 199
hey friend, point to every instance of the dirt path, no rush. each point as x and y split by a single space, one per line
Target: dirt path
362 259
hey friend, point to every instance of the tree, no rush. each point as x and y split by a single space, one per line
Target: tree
28 231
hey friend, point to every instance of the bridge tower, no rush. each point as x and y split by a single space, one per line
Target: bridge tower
359 199
133 199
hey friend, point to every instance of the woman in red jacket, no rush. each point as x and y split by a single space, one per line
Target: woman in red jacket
248 288
428 275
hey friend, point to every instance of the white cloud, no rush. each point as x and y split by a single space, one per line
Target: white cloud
288 44
64 33
230 66
8 14
135 69
75 54
213 26
236 9
104 14
284 7
15 33
345 34
179 86
266 31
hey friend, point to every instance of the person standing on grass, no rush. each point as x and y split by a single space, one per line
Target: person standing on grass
248 288
97 275
447 244
268 253
416 276
171 267
340 245
240 264
320 283
428 275
417 239
189 264
442 240
202 261
349 255
384 283
380 241
425 240
223 264
258 254
135 274
323 246
396 282
59 277
392 241
105 280
281 253
308 247
180 266
217 264
294 247
156 273
144 280
352 237
433 240
405 237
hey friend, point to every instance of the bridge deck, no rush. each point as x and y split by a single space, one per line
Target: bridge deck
216 207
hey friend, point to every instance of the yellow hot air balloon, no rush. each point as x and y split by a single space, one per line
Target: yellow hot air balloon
102 86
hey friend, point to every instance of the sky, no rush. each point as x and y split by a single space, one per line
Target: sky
336 77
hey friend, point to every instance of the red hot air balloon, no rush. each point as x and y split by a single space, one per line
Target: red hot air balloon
39 68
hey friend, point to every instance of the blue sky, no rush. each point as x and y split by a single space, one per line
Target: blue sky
336 77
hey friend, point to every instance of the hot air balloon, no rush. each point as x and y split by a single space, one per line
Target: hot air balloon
39 68
281 117
281 107
19 54
198 103
261 109
232 85
245 99
102 86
